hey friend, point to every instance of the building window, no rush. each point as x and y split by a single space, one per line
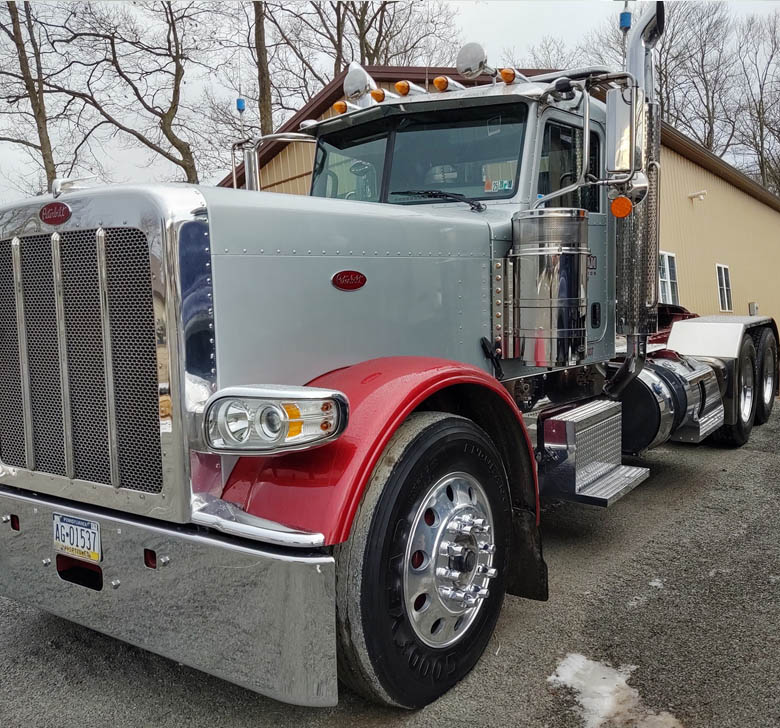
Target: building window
667 274
724 287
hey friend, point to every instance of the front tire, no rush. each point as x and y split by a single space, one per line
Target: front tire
766 353
421 580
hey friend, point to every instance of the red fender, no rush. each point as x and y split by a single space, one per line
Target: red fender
319 490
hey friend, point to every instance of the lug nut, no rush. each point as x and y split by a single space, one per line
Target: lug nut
488 548
487 571
445 573
454 595
448 548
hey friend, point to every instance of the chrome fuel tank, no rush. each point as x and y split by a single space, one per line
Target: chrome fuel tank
547 303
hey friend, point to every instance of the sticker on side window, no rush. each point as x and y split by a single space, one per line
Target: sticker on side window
494 125
498 185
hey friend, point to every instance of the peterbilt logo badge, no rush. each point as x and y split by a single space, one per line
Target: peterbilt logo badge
55 213
348 280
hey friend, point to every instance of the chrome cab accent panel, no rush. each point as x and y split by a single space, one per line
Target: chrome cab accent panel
259 617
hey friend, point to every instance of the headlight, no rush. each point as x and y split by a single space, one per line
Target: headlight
268 420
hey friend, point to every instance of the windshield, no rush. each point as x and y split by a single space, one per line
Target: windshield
473 152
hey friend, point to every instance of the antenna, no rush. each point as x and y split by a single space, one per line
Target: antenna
240 101
625 26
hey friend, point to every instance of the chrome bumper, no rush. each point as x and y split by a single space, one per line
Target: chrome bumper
256 616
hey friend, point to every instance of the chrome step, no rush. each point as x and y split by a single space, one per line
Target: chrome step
612 486
580 453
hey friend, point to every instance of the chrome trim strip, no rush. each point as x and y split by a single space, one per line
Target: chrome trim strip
62 346
108 363
230 519
24 364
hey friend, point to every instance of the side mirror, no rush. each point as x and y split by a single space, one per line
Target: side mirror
625 130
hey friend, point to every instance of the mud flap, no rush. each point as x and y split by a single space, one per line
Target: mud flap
527 575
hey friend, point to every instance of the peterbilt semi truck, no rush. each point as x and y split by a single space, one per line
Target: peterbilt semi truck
290 440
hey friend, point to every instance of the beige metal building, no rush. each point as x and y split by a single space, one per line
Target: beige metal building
720 231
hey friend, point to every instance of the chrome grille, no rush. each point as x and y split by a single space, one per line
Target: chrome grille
131 323
42 354
78 253
11 410
137 397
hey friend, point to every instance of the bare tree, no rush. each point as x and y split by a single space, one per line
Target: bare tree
34 120
129 66
759 125
696 68
263 72
550 53
321 38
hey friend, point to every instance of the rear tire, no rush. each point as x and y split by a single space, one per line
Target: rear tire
738 434
437 503
766 353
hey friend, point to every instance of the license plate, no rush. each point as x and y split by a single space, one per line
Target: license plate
77 537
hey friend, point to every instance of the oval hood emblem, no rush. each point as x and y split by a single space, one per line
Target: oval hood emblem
55 213
348 280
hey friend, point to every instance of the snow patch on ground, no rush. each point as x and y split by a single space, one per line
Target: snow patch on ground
605 698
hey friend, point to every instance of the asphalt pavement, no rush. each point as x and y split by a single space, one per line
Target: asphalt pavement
680 580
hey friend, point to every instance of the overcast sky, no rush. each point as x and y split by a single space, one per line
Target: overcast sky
496 24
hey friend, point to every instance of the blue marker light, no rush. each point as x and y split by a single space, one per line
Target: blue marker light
240 104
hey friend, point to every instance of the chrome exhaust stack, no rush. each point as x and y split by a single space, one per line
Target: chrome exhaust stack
637 234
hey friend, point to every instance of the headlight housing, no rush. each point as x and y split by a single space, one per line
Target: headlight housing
269 420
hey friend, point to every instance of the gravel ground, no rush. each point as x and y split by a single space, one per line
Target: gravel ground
704 635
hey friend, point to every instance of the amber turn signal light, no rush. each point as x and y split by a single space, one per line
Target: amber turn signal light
402 87
621 206
340 107
441 83
378 94
508 75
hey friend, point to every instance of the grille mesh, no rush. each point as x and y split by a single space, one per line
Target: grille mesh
134 358
42 354
11 409
136 393
81 298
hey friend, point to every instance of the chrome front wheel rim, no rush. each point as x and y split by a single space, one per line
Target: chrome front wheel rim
449 559
768 368
746 381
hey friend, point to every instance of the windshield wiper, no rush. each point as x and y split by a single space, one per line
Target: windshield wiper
441 195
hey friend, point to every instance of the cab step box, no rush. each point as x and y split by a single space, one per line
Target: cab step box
580 453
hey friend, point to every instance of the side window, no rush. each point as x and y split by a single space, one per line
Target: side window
561 162
352 172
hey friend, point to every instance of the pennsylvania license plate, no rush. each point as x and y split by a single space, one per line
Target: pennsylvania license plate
77 537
